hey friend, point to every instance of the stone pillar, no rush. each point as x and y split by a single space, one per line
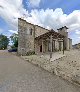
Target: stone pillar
67 44
70 44
63 46
53 45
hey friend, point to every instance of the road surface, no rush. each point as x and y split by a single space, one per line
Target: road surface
17 75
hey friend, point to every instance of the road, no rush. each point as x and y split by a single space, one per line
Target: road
17 75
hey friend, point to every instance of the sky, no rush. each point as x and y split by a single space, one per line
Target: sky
51 14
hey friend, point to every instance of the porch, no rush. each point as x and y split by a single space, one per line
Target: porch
49 42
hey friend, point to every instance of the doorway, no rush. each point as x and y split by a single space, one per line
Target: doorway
41 48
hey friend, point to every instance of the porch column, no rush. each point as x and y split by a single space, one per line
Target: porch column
51 46
63 45
54 45
42 46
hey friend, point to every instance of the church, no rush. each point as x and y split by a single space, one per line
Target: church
36 39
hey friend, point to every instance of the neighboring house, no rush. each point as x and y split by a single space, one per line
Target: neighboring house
33 38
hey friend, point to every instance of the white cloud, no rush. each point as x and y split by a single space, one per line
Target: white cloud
77 32
55 18
1 30
10 10
49 18
12 31
34 3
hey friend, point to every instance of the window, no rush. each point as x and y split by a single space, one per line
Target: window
31 31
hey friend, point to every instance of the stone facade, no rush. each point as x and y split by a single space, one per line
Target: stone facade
27 43
70 43
67 41
40 30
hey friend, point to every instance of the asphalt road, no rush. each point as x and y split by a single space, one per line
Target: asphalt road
17 75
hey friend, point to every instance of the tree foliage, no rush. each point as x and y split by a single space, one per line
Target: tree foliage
14 39
4 41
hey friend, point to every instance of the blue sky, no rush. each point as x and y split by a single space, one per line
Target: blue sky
47 13
67 6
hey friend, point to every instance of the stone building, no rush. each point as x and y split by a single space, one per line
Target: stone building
67 41
36 39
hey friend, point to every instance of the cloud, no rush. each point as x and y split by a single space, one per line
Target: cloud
77 32
12 31
55 18
49 18
10 10
34 3
1 30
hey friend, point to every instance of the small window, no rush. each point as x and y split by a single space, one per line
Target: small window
31 31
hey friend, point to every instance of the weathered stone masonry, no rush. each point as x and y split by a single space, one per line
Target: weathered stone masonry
26 40
27 43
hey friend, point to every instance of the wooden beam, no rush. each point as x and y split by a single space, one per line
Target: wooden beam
51 46
55 35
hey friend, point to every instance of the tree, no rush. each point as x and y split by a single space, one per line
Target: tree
4 41
14 39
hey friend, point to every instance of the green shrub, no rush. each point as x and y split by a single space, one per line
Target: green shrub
30 53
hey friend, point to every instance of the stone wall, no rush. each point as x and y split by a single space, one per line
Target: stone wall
61 45
37 46
39 43
39 31
27 37
56 45
64 32
26 40
70 43
21 38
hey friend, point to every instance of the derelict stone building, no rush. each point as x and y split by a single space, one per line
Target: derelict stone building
36 39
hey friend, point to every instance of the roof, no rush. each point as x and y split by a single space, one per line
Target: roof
62 28
33 24
48 34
